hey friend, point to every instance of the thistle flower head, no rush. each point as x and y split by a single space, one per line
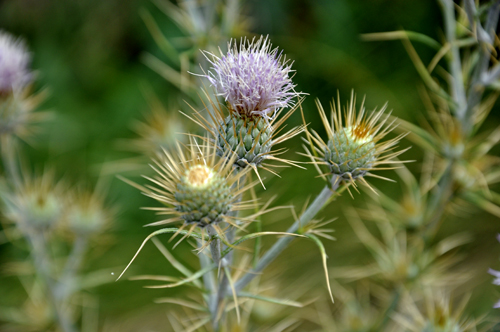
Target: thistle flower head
14 63
37 204
254 78
354 147
198 188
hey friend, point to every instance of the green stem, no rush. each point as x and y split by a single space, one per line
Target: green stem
321 200
455 64
73 262
9 161
42 265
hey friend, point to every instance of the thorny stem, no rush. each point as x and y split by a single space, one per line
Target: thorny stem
227 261
73 262
385 318
215 250
9 160
466 105
457 82
280 245
476 88
42 265
214 245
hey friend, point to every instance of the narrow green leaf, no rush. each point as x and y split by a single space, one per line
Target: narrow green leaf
183 303
271 300
253 236
158 232
193 277
402 34
323 257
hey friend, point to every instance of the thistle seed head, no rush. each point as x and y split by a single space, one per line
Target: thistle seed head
254 79
198 188
14 64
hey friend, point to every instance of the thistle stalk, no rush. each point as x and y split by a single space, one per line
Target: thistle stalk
9 159
42 264
317 205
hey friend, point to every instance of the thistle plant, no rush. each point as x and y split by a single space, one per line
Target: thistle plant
255 83
408 266
204 188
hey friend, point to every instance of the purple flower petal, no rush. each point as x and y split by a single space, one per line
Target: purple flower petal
14 63
253 79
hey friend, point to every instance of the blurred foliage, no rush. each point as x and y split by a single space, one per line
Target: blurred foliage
88 54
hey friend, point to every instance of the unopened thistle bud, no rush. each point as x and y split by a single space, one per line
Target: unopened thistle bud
354 148
37 204
87 214
199 189
256 85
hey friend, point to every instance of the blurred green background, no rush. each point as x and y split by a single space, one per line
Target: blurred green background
88 53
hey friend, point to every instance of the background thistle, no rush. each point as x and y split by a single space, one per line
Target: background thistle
15 73
37 205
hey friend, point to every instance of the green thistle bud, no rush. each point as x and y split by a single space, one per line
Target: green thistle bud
198 188
350 153
203 196
248 137
354 148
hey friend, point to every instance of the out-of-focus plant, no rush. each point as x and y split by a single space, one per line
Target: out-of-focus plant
204 25
56 221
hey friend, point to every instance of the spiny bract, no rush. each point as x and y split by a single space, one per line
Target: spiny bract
249 138
199 188
353 148
202 196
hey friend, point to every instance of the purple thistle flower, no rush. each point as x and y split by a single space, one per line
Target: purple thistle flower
496 274
14 63
253 79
